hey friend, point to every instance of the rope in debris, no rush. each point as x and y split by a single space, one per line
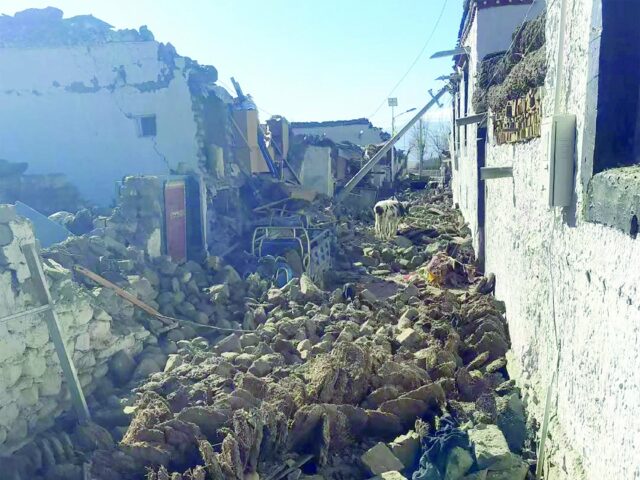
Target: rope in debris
167 320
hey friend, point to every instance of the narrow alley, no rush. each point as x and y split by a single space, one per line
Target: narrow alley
423 271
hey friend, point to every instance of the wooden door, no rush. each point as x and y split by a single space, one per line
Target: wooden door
175 207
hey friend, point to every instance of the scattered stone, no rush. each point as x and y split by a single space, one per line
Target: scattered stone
408 338
391 476
121 367
368 297
173 362
309 290
407 449
380 459
512 420
459 462
491 449
479 361
230 343
496 365
261 367
146 368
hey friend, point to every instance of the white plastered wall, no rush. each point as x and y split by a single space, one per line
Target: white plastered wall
72 110
570 286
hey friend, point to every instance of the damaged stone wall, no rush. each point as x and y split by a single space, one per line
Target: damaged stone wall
360 132
32 391
567 284
316 173
76 108
45 193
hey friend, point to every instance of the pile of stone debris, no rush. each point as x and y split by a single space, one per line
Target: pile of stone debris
400 373
429 227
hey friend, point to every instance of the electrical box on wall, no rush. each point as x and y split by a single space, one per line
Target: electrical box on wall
559 134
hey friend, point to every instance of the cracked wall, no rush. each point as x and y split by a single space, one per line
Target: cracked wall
74 110
32 391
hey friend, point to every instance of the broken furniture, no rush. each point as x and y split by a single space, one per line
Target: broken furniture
293 233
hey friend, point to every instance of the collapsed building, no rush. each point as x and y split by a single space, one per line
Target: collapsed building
127 104
544 165
335 150
228 318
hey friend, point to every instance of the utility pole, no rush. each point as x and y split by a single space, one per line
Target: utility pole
351 184
393 103
421 144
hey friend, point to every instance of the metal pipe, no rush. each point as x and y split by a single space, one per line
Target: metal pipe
560 57
344 193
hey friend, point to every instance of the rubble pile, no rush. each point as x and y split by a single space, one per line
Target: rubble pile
45 27
427 229
210 293
398 373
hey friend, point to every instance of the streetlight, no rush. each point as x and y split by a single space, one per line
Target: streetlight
393 102
406 111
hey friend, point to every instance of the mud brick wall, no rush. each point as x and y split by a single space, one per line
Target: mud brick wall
32 390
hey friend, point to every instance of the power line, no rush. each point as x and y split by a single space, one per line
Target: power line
415 61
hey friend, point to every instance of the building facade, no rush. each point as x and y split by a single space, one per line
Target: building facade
97 104
564 267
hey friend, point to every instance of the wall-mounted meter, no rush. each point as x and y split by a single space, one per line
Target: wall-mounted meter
559 136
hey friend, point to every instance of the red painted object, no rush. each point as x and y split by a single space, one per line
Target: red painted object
176 219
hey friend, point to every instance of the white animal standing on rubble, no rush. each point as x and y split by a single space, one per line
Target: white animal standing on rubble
388 214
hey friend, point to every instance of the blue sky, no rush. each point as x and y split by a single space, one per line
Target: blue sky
304 59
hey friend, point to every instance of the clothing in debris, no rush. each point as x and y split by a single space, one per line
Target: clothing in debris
436 448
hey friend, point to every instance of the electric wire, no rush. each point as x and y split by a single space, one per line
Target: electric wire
415 61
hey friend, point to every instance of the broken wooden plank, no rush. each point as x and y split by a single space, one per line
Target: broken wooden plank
121 293
169 321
